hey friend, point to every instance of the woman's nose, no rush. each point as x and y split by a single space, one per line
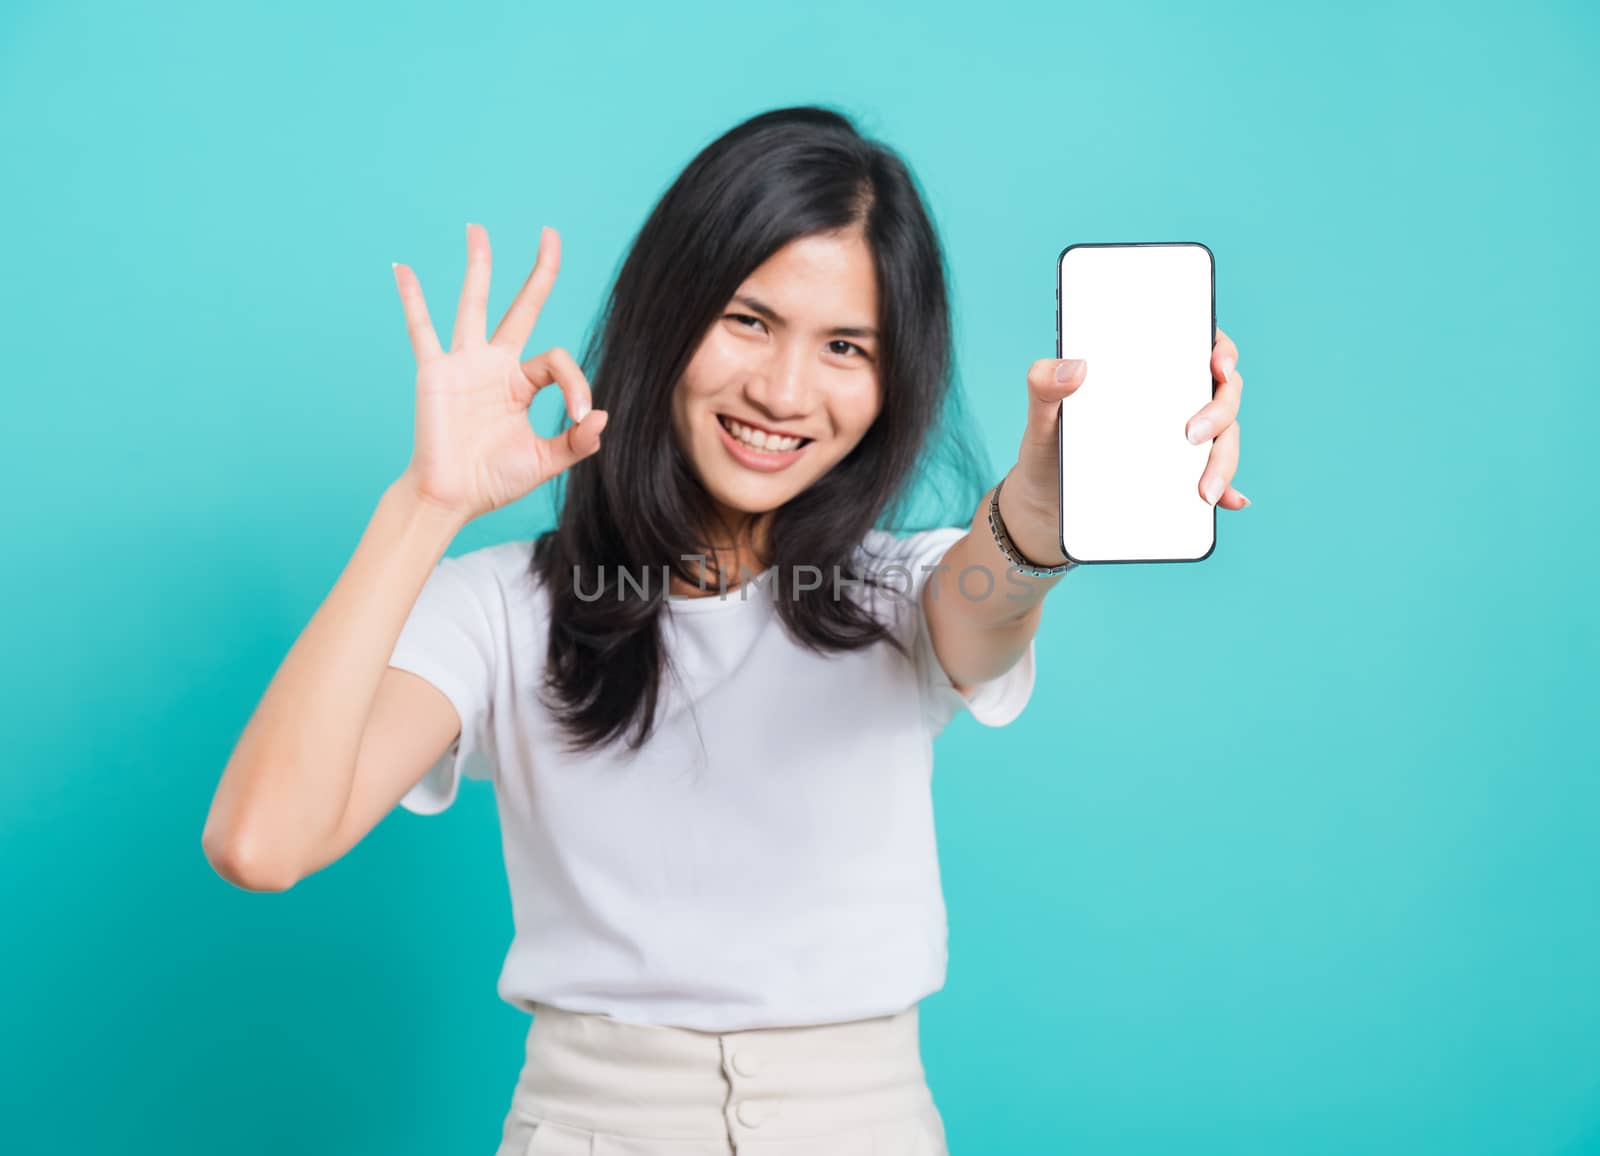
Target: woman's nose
783 389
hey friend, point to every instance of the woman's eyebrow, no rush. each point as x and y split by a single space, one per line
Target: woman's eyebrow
762 309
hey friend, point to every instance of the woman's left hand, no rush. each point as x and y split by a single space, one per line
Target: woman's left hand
1031 497
1218 419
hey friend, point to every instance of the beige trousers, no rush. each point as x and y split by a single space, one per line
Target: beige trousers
596 1086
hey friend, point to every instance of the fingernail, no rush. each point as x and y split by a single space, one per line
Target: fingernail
1213 490
1227 368
1199 431
1067 368
1246 501
580 411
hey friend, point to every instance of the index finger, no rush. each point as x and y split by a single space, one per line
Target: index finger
556 365
517 325
1224 356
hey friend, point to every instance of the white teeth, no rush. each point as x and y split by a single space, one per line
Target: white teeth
760 440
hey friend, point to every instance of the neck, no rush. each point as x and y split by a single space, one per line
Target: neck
740 551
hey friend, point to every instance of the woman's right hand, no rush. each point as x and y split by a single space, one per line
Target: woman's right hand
474 449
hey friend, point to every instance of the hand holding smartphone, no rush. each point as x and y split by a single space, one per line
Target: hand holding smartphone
1144 317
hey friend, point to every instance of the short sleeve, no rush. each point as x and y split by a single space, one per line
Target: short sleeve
449 639
994 703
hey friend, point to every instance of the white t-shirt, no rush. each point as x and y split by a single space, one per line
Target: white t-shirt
766 860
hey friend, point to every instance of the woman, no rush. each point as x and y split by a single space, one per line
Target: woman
707 698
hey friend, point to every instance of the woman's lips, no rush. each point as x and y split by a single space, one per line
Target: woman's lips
765 461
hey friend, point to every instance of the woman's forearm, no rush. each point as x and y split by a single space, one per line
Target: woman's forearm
981 612
288 780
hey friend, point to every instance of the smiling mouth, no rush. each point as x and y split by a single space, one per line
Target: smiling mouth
759 441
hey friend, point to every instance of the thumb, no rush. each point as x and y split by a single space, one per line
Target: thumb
578 442
1050 380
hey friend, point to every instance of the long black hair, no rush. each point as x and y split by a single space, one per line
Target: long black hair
637 507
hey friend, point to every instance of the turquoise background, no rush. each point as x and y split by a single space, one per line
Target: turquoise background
1295 851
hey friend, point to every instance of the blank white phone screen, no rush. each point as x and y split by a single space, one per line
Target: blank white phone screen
1143 316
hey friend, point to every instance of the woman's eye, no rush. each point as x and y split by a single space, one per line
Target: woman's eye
742 318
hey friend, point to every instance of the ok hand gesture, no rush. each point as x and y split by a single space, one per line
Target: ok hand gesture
474 450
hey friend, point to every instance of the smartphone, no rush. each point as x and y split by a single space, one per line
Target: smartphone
1144 316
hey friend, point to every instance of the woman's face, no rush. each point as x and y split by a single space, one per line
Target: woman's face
791 359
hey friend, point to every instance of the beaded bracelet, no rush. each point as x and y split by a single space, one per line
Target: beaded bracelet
1009 549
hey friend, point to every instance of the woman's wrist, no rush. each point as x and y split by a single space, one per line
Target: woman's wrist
1032 525
422 516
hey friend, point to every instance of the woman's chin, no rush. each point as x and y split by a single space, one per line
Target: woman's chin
750 499
751 491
